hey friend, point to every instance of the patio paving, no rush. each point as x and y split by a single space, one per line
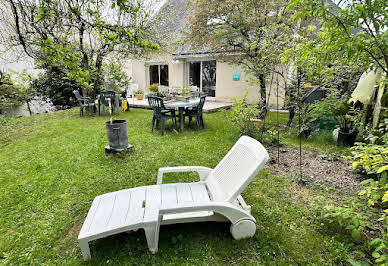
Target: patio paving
209 107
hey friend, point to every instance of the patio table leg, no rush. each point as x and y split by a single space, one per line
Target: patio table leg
181 118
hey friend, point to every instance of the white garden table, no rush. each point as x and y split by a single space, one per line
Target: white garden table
182 106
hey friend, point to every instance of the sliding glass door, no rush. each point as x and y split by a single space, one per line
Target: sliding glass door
209 78
202 74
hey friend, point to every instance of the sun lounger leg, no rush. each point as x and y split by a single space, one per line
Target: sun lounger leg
85 249
152 235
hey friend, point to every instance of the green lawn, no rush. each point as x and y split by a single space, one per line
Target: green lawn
53 165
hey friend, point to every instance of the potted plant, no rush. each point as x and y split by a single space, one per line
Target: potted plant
154 88
139 94
185 95
347 120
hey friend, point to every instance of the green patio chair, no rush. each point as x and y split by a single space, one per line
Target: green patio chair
84 102
161 114
197 113
104 96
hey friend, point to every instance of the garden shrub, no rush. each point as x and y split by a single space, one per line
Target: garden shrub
379 248
270 137
377 191
326 114
378 136
352 217
15 91
369 159
115 78
153 87
241 114
55 85
327 108
372 159
348 217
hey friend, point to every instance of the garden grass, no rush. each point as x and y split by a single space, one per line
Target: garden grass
319 140
53 165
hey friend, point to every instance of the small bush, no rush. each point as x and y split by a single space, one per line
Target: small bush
347 217
369 159
376 192
115 78
379 248
270 137
54 85
153 87
241 115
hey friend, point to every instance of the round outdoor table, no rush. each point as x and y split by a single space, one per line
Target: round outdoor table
181 106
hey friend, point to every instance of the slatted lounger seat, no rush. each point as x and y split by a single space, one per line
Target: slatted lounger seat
215 198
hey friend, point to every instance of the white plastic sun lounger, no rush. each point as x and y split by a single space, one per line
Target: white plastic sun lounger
216 197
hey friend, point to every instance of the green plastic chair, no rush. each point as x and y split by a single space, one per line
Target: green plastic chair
104 96
161 114
197 113
84 102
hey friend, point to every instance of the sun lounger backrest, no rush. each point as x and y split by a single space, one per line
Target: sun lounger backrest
237 169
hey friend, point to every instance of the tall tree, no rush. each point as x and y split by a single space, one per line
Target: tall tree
252 33
352 32
77 35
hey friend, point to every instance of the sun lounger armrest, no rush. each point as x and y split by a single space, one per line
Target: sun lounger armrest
230 211
243 204
203 172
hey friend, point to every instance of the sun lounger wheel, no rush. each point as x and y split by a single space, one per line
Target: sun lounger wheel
243 229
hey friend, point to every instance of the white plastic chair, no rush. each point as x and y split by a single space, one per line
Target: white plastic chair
132 88
164 89
194 89
216 197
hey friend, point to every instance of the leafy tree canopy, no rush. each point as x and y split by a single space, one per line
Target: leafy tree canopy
352 33
252 33
77 35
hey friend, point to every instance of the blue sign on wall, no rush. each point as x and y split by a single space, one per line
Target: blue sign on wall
236 76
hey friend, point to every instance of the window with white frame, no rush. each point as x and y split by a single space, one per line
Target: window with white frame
159 74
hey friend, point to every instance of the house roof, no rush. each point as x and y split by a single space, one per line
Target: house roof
174 15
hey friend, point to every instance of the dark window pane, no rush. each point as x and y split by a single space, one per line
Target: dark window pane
209 78
195 74
164 75
154 74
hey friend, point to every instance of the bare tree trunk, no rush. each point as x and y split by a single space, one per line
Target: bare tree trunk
263 98
28 107
291 115
97 81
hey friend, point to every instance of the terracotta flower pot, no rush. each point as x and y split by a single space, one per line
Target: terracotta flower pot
139 96
256 121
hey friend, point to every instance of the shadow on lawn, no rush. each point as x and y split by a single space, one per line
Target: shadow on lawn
177 244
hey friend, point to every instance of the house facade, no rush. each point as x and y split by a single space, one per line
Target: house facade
220 80
181 67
